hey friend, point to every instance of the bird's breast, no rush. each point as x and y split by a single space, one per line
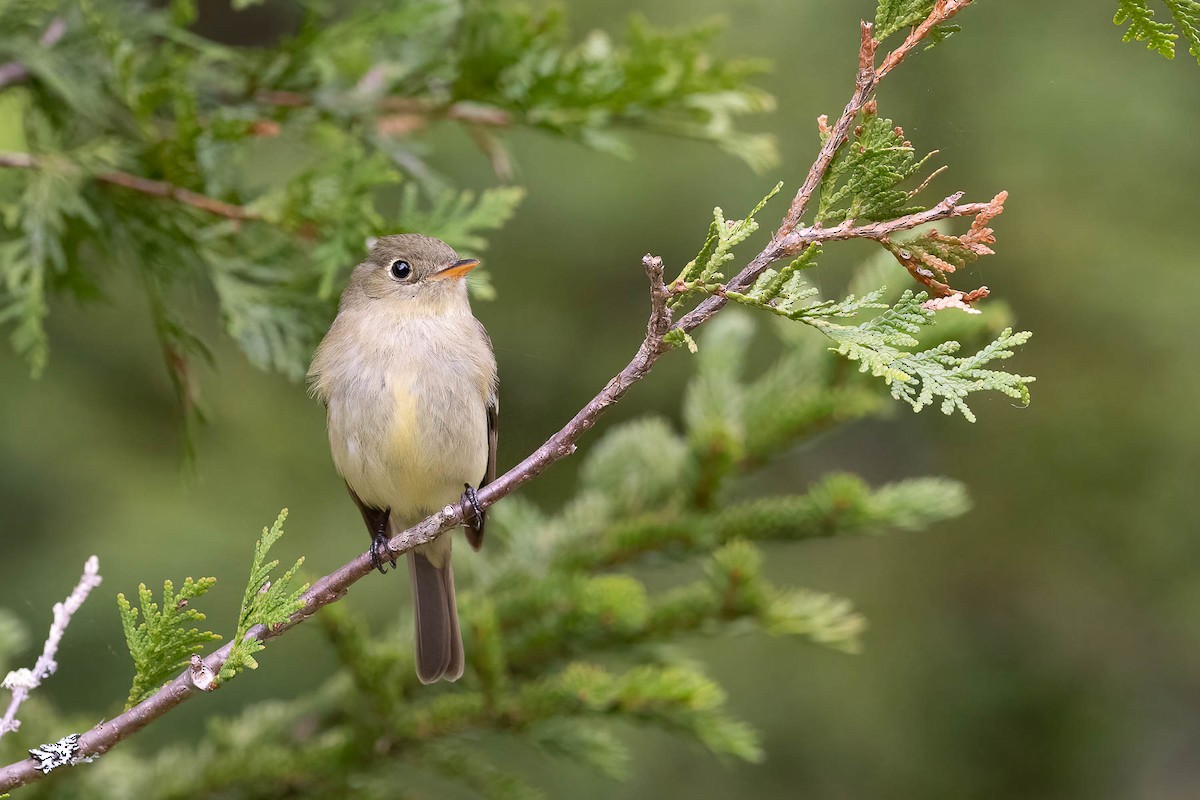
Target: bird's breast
407 419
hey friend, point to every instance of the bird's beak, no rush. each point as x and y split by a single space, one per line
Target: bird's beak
456 270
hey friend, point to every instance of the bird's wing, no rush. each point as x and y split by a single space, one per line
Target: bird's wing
375 518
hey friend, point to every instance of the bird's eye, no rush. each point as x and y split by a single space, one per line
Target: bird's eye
401 269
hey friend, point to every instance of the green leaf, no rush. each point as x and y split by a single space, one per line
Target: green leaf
1186 14
162 644
883 345
1141 26
458 218
863 183
704 271
266 602
272 317
892 16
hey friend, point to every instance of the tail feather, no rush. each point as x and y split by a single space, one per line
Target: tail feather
438 639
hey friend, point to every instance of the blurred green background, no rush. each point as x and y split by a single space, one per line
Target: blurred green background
1045 646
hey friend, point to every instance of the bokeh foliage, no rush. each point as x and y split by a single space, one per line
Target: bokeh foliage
315 142
1046 648
563 641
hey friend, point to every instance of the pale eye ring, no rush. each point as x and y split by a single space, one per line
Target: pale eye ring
401 269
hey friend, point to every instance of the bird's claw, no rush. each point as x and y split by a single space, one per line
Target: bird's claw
380 553
470 499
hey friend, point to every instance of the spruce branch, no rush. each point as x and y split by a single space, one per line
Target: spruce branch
23 681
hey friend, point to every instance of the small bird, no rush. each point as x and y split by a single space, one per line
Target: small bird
408 379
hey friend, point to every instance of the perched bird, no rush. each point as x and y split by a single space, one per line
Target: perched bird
408 379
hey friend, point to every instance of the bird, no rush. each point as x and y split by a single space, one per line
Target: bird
408 379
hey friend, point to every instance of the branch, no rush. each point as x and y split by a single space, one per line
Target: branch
23 681
15 71
797 240
866 81
154 188
334 586
462 111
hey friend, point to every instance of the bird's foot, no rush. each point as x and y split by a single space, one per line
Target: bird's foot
380 553
470 500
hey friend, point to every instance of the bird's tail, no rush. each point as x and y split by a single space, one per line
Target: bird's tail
439 643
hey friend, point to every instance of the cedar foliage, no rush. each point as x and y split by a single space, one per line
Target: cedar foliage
564 643
1141 25
563 638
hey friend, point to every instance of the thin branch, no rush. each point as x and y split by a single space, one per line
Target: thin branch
154 188
866 81
15 71
462 111
23 681
947 208
334 586
942 11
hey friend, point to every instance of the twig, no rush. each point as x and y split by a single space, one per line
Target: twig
787 240
333 586
942 11
799 239
462 111
154 188
15 71
23 681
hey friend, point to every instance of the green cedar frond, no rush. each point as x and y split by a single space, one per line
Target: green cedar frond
274 320
864 181
1141 25
520 60
266 602
704 271
1186 14
787 294
36 226
180 349
161 644
895 15
883 347
458 218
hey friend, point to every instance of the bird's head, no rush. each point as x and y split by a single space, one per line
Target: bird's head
418 271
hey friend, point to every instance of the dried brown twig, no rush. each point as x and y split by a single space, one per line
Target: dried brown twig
787 241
